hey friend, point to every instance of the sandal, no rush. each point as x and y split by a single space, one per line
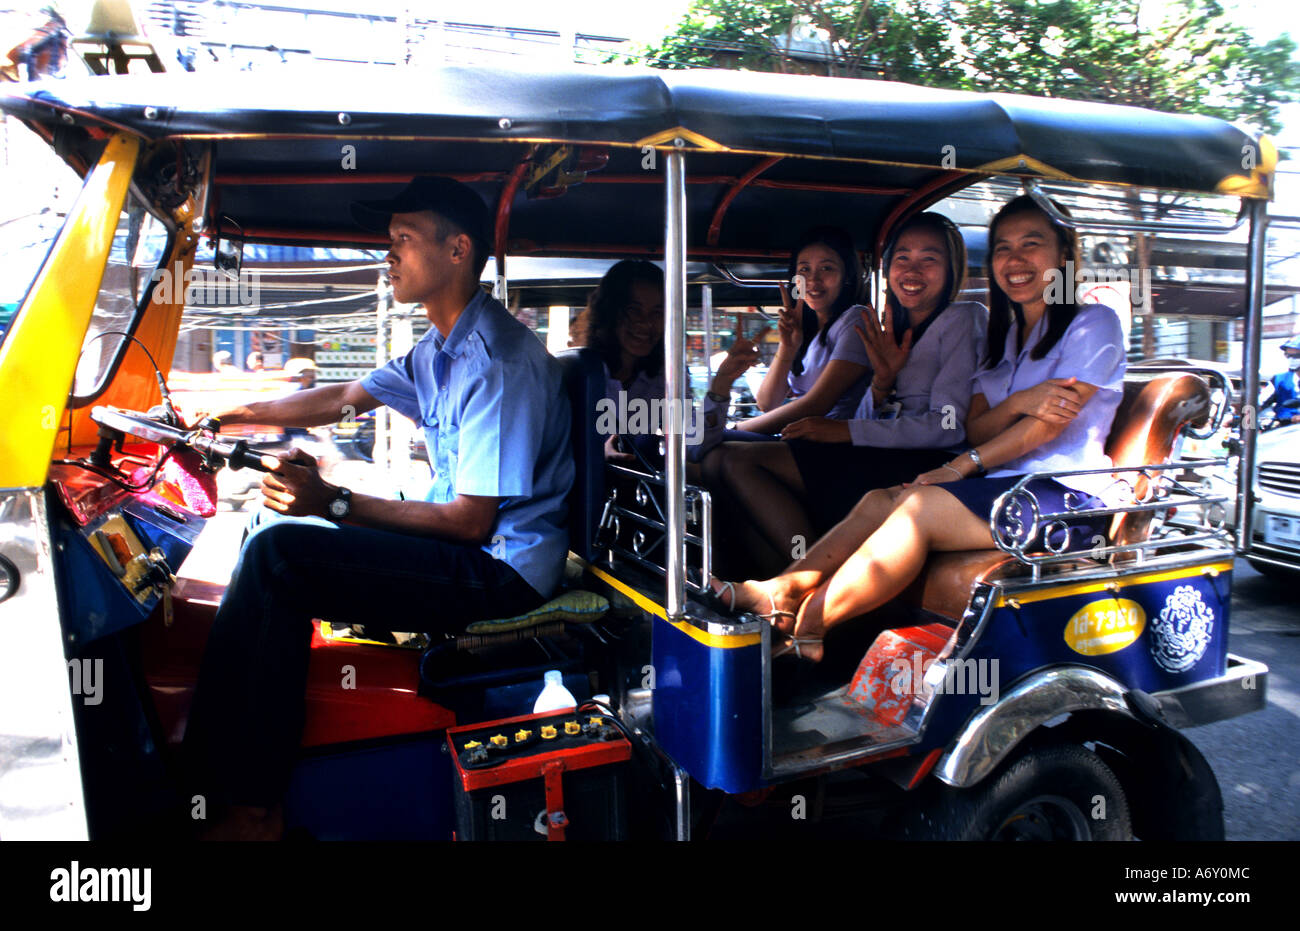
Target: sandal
714 598
772 616
795 645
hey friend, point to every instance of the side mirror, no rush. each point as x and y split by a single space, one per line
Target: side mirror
229 254
229 258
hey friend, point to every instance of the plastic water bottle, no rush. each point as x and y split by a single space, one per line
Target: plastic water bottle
554 696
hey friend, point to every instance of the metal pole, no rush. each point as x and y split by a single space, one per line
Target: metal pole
675 372
379 452
1257 210
706 293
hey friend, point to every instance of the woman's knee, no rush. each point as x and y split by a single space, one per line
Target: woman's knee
739 463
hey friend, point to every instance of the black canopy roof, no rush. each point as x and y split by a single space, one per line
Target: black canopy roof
768 154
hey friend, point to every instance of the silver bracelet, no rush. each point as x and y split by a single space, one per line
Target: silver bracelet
952 470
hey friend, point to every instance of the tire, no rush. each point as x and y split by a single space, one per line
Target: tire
1048 793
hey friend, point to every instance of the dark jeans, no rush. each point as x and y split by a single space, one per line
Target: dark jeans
247 716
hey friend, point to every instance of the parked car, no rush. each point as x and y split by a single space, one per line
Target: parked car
1276 524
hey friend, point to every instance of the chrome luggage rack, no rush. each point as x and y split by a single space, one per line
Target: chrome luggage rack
1017 517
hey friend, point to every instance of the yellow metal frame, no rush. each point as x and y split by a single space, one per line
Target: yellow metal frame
645 604
38 359
1111 585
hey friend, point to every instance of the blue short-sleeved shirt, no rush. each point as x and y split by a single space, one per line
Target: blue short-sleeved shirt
842 343
1091 350
496 424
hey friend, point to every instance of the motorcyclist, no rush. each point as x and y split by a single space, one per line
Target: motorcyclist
1286 385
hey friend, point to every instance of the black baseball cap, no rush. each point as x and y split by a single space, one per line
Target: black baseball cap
444 196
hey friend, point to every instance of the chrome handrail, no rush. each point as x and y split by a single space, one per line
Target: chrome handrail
1128 226
1163 493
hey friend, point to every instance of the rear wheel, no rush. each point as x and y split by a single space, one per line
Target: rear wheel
1061 792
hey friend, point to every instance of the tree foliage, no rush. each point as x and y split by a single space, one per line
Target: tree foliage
1187 56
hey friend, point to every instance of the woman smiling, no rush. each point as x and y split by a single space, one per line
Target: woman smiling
1043 401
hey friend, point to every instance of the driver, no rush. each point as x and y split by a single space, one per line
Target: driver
490 541
1286 385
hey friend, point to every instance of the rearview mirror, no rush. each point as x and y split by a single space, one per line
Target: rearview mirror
228 257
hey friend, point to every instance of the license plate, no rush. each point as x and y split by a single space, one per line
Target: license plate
1284 530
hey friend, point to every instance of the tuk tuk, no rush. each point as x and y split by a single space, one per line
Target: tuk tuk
680 728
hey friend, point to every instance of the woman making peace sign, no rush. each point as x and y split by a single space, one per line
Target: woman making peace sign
911 419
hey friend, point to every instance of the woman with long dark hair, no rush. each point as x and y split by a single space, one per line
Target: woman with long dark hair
1043 401
820 366
624 322
912 418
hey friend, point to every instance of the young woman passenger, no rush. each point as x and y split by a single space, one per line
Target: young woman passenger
624 323
1044 400
910 420
820 369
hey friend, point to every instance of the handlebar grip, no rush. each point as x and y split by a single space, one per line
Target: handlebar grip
241 457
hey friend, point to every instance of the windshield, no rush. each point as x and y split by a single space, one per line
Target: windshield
140 244
32 211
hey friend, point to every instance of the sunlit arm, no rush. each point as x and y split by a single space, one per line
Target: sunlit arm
310 408
1020 439
465 519
983 423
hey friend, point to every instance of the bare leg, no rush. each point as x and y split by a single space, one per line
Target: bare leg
926 518
765 480
788 590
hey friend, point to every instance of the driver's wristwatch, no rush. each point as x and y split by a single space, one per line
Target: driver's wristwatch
341 504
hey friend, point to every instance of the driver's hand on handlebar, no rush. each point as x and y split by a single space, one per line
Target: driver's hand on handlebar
294 486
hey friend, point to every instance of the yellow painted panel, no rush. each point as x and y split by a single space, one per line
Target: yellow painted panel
39 357
1119 583
134 386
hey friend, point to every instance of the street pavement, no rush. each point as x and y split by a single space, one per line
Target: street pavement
1256 757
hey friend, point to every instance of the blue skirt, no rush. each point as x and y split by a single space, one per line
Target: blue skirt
1014 521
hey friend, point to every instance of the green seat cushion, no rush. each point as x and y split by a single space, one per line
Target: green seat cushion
576 606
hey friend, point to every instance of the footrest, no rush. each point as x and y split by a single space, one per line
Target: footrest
575 606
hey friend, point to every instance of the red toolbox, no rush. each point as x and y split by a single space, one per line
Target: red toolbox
555 776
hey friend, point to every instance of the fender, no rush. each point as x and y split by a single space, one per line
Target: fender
995 731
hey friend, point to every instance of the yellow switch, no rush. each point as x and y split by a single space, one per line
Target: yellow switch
499 740
549 732
471 745
522 735
572 727
595 720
